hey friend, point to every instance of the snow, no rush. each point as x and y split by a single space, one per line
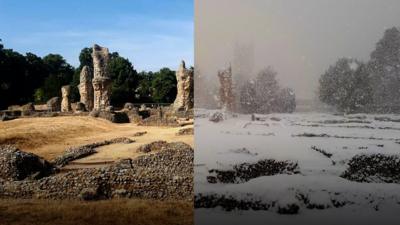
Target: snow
353 65
273 137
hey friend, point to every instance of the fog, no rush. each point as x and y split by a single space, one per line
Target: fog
300 39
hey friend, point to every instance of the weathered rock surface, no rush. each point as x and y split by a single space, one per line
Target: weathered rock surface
54 104
226 93
166 174
115 117
153 146
27 109
186 131
65 102
184 98
216 117
139 134
18 165
129 106
80 107
101 78
86 88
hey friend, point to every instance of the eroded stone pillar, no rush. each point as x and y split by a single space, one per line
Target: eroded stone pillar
184 98
86 88
101 78
226 95
65 102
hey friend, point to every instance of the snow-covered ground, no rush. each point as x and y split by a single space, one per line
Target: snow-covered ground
317 189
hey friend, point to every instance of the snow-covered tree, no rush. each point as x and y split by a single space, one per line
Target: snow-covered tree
287 100
384 67
346 86
267 90
264 95
247 97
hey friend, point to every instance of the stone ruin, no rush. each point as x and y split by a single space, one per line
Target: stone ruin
19 165
226 94
86 88
95 93
101 78
54 104
166 173
184 98
65 102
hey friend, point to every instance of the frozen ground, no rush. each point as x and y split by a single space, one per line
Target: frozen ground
322 146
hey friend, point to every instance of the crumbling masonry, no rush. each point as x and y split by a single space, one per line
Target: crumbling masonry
86 88
101 78
184 98
65 103
226 95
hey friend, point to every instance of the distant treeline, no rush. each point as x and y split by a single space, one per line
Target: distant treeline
354 86
30 78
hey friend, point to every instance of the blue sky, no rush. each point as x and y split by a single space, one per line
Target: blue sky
151 33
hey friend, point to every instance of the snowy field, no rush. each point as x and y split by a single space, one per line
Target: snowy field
310 152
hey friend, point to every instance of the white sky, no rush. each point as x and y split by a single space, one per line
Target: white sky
299 38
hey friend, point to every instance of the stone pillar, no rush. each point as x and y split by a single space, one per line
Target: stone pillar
226 95
54 104
65 103
86 88
184 98
101 78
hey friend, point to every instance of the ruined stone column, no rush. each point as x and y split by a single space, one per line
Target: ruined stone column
101 78
86 88
184 98
65 103
226 95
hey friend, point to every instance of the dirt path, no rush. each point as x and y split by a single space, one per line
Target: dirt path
49 137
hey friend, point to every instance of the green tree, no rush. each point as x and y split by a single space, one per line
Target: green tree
124 78
164 86
85 58
39 95
144 89
13 78
60 73
36 73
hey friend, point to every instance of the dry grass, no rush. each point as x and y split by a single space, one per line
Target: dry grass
116 212
49 137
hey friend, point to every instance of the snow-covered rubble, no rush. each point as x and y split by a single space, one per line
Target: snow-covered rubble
322 156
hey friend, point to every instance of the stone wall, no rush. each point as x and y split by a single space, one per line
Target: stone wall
165 174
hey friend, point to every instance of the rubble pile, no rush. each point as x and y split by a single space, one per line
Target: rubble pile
18 165
166 174
246 171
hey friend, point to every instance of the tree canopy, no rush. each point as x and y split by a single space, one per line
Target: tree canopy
353 86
